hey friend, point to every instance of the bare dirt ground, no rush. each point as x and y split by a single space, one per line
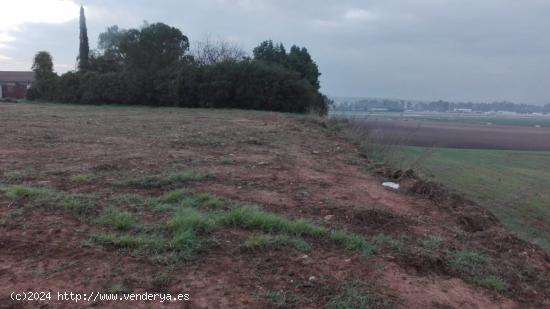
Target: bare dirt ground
289 165
458 135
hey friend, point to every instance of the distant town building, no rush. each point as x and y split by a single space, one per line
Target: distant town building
463 110
14 84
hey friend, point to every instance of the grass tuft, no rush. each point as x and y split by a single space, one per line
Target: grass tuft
467 262
353 242
162 180
493 283
432 243
83 178
189 199
125 241
357 296
382 240
19 192
78 205
185 244
280 299
267 242
117 218
252 217
190 219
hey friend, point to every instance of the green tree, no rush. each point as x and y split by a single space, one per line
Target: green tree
151 48
45 79
270 52
299 60
43 66
84 50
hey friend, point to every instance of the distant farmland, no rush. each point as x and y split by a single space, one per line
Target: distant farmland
514 185
504 168
430 133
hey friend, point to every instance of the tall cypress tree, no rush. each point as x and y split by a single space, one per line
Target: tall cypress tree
84 52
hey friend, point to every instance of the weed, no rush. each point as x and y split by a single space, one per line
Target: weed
383 240
467 262
432 243
190 219
117 218
162 180
161 282
118 288
83 178
190 199
16 176
353 242
163 207
267 241
252 217
185 245
130 200
19 192
493 283
358 296
204 200
75 204
279 299
125 241
174 197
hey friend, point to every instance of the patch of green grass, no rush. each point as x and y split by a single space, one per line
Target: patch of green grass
468 262
190 199
358 296
513 185
161 282
185 244
125 241
33 193
130 200
179 238
353 242
162 180
204 200
267 242
252 217
83 178
16 176
166 208
433 243
279 299
76 204
118 288
79 205
383 240
174 197
190 219
493 283
117 218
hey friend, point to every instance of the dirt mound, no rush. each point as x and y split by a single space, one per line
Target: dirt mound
374 244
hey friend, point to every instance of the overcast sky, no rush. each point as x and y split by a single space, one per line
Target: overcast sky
480 50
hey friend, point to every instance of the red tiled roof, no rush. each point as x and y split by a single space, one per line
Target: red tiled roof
16 76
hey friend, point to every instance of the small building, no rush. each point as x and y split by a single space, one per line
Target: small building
14 84
463 110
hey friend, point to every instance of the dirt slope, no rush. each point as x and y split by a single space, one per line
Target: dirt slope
292 166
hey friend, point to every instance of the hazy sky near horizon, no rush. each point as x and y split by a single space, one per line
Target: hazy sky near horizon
460 50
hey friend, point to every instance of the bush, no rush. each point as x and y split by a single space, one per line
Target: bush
244 85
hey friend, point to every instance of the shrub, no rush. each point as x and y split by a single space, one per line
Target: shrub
119 219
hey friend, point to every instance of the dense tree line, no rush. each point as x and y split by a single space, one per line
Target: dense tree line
153 66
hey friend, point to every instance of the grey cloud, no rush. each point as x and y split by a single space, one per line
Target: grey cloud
419 49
